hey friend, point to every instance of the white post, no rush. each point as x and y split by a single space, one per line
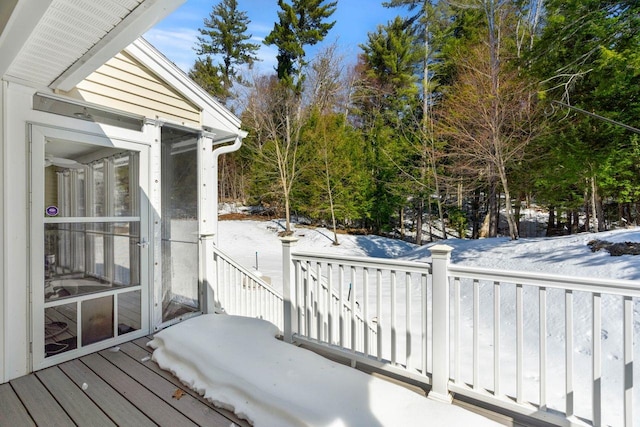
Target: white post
440 255
289 289
209 277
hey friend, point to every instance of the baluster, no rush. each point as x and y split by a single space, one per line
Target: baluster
496 338
476 341
230 288
393 317
308 301
243 292
569 352
628 361
299 285
354 328
542 321
456 328
330 339
235 289
379 311
258 298
597 359
407 284
365 308
519 343
341 302
319 302
425 325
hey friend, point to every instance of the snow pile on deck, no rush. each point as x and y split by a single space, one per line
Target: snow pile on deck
237 363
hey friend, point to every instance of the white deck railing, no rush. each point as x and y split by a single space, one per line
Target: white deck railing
319 313
239 291
486 334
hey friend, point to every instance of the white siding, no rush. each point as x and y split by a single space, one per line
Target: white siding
125 84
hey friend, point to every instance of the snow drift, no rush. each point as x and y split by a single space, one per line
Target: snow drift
237 363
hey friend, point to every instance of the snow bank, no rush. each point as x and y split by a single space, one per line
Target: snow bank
237 363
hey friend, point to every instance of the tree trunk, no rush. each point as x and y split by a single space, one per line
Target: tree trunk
602 226
287 215
594 210
587 215
419 212
484 230
511 221
475 215
330 193
494 212
430 222
551 223
517 208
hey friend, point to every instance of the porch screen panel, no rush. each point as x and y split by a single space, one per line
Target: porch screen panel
91 242
180 265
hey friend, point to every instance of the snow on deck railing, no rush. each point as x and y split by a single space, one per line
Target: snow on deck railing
554 348
239 291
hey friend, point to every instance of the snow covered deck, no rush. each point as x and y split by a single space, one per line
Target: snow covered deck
126 387
106 389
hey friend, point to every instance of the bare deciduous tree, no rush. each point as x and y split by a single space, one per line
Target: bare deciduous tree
274 115
490 115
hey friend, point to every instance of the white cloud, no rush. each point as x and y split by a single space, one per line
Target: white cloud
176 44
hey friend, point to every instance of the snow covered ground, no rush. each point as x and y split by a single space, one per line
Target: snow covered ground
566 255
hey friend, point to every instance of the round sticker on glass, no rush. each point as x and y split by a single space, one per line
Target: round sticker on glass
52 210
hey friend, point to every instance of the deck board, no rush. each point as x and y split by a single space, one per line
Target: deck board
192 408
108 388
75 403
41 405
117 407
154 407
12 413
138 350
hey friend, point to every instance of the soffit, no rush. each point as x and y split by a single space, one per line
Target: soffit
66 40
67 30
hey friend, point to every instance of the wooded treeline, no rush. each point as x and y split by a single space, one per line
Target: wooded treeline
454 112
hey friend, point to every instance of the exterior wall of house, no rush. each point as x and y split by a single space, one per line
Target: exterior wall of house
15 243
125 84
3 215
17 262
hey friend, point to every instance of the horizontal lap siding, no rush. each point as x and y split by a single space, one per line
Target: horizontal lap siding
124 84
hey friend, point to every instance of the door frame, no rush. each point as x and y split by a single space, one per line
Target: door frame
38 135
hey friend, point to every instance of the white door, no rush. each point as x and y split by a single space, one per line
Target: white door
90 243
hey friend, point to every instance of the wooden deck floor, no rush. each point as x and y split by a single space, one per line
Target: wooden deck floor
108 388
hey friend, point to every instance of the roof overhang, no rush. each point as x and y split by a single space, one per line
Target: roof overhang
57 43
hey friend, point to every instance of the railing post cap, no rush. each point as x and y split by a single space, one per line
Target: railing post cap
440 249
289 240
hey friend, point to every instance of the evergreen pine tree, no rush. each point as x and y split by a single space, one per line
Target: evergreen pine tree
224 35
300 24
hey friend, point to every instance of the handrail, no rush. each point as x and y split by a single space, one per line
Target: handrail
246 271
411 266
575 283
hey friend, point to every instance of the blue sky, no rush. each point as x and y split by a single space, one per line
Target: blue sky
177 34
